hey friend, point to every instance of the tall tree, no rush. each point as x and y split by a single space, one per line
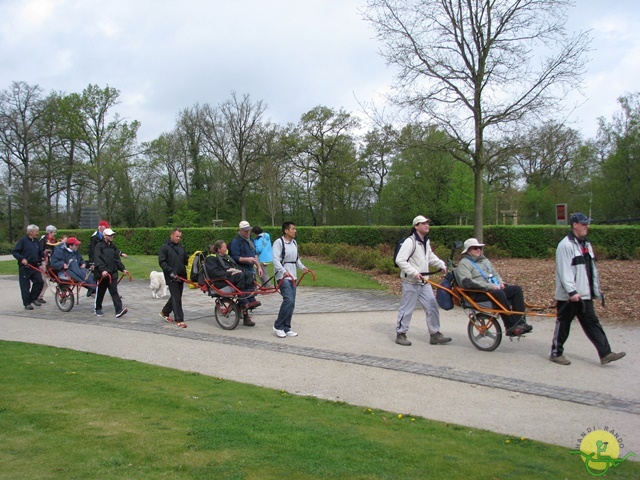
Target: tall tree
21 107
380 148
317 144
236 136
469 66
98 126
619 183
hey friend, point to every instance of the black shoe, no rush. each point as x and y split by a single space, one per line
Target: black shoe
28 307
517 331
36 303
90 292
121 312
42 300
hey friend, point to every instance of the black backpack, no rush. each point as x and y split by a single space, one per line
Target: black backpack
397 249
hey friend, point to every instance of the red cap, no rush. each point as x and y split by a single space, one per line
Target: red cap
73 241
104 223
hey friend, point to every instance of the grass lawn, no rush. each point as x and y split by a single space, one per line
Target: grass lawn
66 414
326 275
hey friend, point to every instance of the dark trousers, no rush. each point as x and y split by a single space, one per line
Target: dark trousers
511 298
174 304
112 286
31 284
566 312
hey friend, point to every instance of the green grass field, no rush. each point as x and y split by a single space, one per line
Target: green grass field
326 275
72 415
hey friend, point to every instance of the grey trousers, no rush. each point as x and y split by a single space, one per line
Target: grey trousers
413 293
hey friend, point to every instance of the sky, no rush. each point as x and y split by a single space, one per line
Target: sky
167 55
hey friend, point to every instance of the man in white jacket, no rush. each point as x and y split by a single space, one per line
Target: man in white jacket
577 285
414 258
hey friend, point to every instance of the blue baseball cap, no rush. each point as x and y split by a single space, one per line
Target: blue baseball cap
580 218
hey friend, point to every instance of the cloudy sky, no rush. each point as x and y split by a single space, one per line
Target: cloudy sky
166 55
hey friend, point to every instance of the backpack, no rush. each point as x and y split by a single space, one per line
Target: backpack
194 265
293 240
397 249
443 297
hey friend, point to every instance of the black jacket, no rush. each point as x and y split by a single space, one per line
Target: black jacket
28 249
172 259
106 258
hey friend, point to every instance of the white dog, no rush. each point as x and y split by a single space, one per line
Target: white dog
157 285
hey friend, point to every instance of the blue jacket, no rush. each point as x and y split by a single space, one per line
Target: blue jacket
242 247
74 261
263 247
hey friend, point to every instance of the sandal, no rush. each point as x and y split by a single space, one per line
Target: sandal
181 325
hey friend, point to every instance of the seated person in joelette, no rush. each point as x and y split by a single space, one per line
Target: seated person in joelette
476 272
67 262
219 264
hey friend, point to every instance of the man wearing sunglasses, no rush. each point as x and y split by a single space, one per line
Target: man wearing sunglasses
476 272
414 259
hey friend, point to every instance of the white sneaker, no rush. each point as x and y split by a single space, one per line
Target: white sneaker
279 333
291 333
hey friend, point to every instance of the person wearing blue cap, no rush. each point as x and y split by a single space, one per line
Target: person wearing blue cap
577 285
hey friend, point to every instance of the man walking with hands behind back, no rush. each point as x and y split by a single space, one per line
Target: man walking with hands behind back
577 284
173 261
414 258
285 263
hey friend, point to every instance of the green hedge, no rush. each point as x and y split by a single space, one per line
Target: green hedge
535 241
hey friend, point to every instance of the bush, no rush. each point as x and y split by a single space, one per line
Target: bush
530 241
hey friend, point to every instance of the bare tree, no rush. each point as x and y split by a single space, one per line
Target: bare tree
470 66
21 107
236 136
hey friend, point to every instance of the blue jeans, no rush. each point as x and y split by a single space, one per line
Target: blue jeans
288 292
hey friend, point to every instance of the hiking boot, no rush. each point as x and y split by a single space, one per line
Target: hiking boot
28 307
562 360
247 322
612 357
439 339
254 304
401 339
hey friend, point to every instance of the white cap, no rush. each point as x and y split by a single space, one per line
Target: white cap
244 225
108 231
419 219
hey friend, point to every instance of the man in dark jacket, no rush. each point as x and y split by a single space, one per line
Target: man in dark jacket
173 260
107 263
29 254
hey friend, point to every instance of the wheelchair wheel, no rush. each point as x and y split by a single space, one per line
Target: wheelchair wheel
227 313
64 298
484 331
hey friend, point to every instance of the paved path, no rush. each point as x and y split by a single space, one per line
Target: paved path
346 352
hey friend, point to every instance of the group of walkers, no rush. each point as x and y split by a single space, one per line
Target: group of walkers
577 279
577 286
238 264
63 256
